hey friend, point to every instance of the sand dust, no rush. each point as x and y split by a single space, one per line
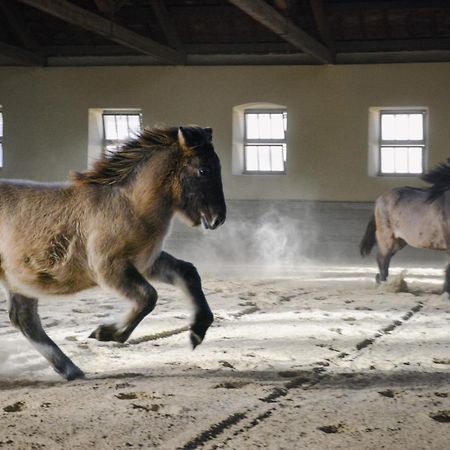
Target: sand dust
319 359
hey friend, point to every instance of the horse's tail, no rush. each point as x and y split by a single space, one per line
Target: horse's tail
439 178
369 239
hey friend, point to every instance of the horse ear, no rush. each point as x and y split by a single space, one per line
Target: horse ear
181 138
208 132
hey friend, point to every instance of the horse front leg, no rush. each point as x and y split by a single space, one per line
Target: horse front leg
23 313
124 278
169 269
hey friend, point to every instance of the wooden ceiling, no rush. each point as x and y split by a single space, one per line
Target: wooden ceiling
220 32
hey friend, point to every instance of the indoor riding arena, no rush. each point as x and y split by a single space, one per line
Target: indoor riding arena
279 166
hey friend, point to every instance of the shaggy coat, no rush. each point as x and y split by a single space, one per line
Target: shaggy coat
106 227
411 216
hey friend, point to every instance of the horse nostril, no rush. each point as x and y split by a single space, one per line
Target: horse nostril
217 221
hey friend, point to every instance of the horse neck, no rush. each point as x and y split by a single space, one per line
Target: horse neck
151 190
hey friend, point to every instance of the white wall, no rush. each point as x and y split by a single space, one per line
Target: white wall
46 118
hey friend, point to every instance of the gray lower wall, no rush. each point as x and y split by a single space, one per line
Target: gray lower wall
286 234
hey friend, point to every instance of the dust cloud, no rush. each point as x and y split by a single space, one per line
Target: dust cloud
269 242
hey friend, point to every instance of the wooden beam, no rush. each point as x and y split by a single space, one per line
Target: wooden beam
21 56
349 6
321 22
192 60
167 25
393 45
272 19
17 24
280 48
92 22
293 59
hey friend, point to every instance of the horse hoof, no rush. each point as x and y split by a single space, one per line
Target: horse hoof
377 278
195 340
74 374
71 372
104 333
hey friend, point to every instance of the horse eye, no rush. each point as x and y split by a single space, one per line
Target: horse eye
203 172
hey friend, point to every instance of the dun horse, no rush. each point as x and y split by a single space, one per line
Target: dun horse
106 227
411 216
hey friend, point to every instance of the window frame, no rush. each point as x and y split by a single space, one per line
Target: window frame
114 112
264 142
1 138
403 143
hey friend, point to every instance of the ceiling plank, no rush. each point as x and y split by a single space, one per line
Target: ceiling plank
282 26
167 25
92 22
109 7
17 24
21 56
105 6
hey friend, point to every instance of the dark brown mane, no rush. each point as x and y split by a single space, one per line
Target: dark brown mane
117 167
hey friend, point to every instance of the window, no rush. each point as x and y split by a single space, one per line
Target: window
1 137
265 141
402 142
118 127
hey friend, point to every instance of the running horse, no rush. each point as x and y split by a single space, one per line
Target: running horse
411 216
106 228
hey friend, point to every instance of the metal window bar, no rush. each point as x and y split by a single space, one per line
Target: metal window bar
117 143
266 142
1 138
382 143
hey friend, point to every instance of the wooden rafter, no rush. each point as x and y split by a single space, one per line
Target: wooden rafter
167 24
321 22
286 29
89 21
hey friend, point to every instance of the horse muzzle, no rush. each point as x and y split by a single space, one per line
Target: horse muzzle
212 221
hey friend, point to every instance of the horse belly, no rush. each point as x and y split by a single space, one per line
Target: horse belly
33 273
47 282
421 231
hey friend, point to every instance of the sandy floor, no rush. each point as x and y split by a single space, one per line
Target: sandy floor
318 360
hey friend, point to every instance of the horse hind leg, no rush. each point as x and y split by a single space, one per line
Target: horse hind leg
384 256
23 313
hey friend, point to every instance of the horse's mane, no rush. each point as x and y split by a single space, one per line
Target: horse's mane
439 178
115 167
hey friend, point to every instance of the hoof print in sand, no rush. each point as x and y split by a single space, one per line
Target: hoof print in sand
330 429
15 407
441 416
387 393
126 396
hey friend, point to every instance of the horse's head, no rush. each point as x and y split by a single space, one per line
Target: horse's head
199 189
